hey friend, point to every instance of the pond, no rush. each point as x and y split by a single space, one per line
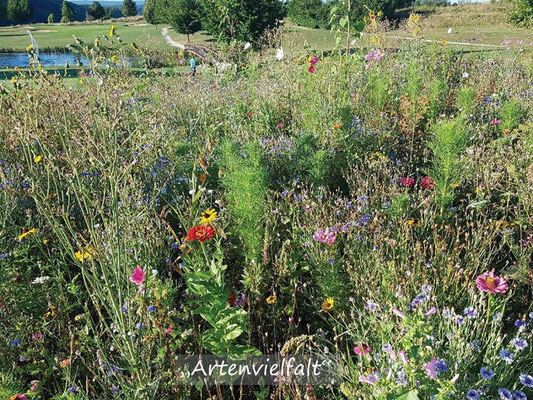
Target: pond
22 60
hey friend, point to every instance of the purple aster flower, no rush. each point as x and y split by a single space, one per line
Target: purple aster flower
470 312
519 323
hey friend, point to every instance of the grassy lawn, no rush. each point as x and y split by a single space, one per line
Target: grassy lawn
56 36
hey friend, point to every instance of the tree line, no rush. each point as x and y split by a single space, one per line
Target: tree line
21 11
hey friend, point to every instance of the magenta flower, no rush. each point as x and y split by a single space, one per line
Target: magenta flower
488 282
496 122
311 69
362 349
138 276
430 368
313 60
407 181
325 236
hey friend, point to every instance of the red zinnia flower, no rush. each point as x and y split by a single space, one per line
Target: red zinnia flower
407 181
200 233
311 69
427 183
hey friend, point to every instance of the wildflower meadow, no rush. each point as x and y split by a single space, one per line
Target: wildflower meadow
370 205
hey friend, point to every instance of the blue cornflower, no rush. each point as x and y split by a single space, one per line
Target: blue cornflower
470 312
519 343
472 394
519 395
526 380
486 373
151 308
15 342
441 366
505 394
73 389
507 356
519 323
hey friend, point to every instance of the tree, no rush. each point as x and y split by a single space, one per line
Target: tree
129 9
3 10
67 12
243 20
19 10
51 18
182 15
95 11
309 13
149 12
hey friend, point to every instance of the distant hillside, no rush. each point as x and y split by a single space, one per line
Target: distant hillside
43 8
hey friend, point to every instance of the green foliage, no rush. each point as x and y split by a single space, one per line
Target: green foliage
245 181
244 20
19 10
449 141
227 323
522 15
309 13
67 12
128 9
511 115
466 100
95 11
51 18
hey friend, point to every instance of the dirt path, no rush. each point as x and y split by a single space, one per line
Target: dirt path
204 54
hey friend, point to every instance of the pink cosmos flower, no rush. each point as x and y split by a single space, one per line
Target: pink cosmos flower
362 349
403 356
313 60
325 236
367 379
496 122
168 331
398 313
407 181
488 282
430 368
138 276
431 311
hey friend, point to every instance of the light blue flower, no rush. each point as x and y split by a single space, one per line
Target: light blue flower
505 394
486 373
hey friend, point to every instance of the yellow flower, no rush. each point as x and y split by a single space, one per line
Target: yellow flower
328 304
271 299
414 222
86 255
27 233
380 14
414 17
29 48
208 216
454 185
444 42
13 80
112 31
37 159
